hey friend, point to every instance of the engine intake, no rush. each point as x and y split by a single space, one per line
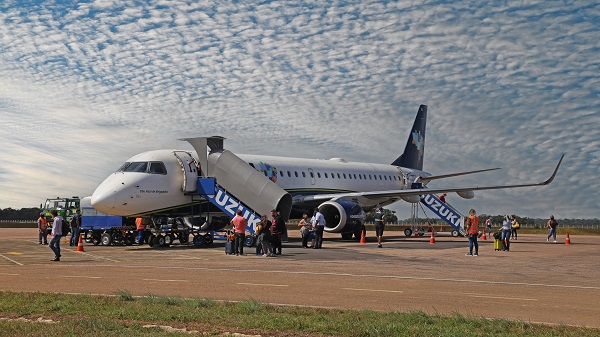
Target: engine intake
342 216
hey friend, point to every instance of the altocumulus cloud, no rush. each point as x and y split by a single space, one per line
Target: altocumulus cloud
514 85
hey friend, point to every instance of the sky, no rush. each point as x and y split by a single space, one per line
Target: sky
512 84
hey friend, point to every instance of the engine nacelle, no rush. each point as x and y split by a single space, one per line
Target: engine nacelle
413 199
342 216
466 194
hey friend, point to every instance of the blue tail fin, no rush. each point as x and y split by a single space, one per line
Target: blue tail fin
415 146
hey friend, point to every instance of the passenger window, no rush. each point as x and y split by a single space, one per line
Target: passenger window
370 178
380 177
137 167
158 168
289 174
354 174
312 175
333 176
339 176
325 175
303 174
344 174
375 176
296 173
318 175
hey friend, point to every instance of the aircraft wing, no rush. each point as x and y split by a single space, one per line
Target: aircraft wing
425 180
400 193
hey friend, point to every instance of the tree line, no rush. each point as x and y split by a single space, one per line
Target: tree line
31 213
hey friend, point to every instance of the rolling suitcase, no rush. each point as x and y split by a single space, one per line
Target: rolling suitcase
498 244
229 244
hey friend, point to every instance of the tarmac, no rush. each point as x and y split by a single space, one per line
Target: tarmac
537 281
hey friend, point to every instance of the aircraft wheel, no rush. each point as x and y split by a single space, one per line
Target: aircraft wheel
249 241
106 239
160 241
347 236
184 238
454 233
408 232
198 241
208 240
151 240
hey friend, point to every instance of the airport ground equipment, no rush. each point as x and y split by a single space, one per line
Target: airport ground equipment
101 228
65 207
443 210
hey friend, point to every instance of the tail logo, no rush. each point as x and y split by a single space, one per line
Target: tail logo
269 171
419 141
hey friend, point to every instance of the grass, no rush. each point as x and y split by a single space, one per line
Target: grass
125 315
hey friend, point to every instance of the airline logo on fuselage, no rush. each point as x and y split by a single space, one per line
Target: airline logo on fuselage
269 171
418 140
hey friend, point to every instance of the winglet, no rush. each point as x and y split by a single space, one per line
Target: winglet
555 171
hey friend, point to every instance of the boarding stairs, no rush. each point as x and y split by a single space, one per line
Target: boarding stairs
229 183
445 212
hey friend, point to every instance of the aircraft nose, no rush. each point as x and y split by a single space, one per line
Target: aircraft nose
104 200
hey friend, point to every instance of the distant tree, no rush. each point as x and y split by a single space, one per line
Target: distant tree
23 214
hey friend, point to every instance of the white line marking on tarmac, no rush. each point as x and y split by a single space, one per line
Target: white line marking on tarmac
8 274
391 277
95 256
503 298
11 260
157 280
80 276
375 290
264 284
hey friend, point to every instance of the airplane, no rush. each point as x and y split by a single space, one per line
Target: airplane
150 183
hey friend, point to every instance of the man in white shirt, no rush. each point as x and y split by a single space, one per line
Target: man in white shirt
56 235
319 224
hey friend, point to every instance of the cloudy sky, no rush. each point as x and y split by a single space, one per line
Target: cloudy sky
86 85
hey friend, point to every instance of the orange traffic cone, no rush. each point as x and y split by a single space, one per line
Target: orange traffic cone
80 244
483 237
432 239
568 240
363 239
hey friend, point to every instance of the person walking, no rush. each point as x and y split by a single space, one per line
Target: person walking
472 223
42 229
278 227
506 229
75 228
140 228
57 223
552 224
515 225
443 198
379 225
318 222
488 226
239 225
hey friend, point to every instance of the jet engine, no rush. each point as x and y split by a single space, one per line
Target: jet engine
466 194
343 216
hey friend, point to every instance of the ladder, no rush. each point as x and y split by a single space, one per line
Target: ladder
446 212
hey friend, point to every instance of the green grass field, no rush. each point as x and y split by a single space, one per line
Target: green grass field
125 315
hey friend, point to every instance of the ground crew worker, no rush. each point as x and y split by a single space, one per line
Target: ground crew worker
42 229
473 232
379 225
139 226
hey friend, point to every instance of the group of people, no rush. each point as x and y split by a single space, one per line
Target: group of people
58 230
269 234
312 229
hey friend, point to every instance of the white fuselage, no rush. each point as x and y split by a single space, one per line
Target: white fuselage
129 192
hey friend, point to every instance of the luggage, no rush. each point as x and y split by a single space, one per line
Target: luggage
498 244
229 244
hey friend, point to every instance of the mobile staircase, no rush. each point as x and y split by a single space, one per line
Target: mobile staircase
445 212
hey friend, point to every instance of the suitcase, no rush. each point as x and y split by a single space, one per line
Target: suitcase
498 244
229 247
229 243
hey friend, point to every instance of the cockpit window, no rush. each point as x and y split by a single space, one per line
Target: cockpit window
157 167
137 167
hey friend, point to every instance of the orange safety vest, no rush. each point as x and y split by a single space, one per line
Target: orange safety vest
472 225
43 224
139 225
